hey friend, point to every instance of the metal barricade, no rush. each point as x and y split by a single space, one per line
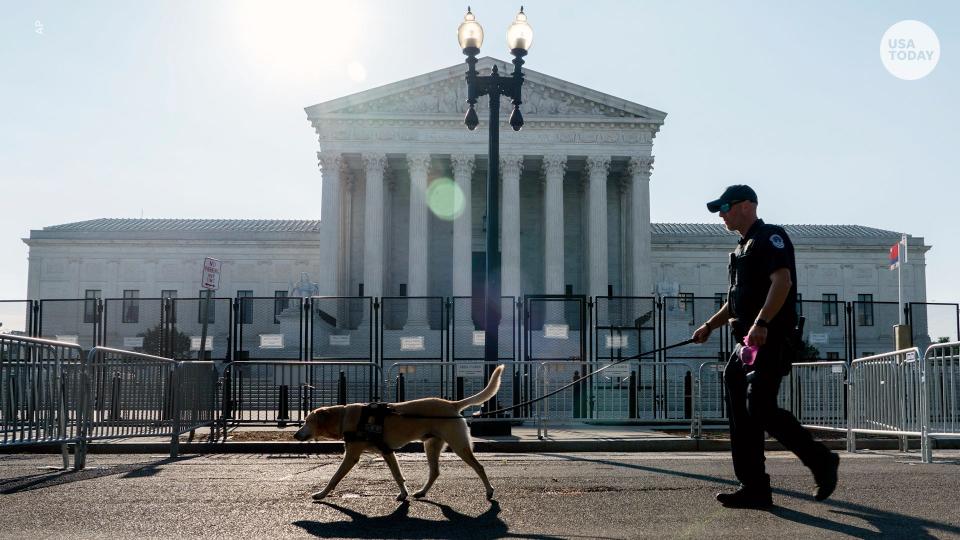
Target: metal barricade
39 390
710 398
818 395
406 381
942 394
284 392
633 391
885 396
128 394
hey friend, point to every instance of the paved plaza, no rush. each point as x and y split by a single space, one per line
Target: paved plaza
539 495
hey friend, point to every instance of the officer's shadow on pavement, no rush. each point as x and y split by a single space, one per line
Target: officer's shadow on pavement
887 523
399 524
59 477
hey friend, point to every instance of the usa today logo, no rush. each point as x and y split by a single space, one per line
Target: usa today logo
910 50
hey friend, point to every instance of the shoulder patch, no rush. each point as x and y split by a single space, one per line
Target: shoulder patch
777 241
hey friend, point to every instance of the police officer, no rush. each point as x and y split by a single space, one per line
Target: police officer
761 309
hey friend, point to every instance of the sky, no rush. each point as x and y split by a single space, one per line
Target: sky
183 109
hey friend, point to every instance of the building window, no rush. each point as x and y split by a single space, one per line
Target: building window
90 305
131 306
833 355
211 313
830 315
719 299
865 310
280 303
246 306
170 294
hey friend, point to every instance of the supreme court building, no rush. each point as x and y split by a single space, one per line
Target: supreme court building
575 214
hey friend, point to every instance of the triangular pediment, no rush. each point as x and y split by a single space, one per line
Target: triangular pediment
443 93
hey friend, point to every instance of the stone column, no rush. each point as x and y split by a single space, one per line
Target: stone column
419 165
374 166
553 168
463 238
510 168
640 251
329 276
597 168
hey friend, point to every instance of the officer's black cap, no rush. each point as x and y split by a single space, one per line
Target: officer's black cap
734 193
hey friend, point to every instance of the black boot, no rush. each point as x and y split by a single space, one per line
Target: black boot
826 477
747 497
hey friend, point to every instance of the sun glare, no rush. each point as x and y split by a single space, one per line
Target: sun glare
300 42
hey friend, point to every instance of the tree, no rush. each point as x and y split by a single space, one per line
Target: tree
809 352
943 339
179 346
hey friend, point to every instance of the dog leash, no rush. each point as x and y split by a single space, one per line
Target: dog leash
581 379
557 391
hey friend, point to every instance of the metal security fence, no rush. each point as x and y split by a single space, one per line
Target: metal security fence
186 328
135 324
467 335
343 328
282 392
70 320
39 389
269 328
17 317
825 329
412 328
871 327
680 316
932 323
556 328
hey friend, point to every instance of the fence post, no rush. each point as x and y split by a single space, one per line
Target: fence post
577 404
401 388
115 397
284 414
633 394
688 396
458 394
342 389
175 405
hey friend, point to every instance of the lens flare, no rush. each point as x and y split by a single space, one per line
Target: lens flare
445 199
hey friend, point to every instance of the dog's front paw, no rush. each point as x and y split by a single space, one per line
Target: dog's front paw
319 495
402 496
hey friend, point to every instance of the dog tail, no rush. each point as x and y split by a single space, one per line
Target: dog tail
484 395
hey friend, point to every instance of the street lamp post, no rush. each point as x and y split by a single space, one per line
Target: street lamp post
519 39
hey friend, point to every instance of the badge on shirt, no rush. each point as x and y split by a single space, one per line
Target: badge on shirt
777 241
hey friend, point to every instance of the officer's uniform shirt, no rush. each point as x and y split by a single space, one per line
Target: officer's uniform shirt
762 251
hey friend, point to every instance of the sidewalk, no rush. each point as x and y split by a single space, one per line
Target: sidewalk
523 439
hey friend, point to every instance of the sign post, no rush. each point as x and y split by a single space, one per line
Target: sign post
210 282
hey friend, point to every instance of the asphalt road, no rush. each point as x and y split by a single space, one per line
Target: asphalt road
538 496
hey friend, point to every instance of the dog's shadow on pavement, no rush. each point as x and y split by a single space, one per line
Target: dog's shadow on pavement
399 524
29 482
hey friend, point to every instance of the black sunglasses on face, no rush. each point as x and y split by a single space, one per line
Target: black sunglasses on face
725 207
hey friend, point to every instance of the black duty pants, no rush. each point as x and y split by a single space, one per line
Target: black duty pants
752 407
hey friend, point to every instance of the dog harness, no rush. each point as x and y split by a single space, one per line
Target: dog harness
370 426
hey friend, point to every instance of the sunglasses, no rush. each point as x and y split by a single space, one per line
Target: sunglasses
725 207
